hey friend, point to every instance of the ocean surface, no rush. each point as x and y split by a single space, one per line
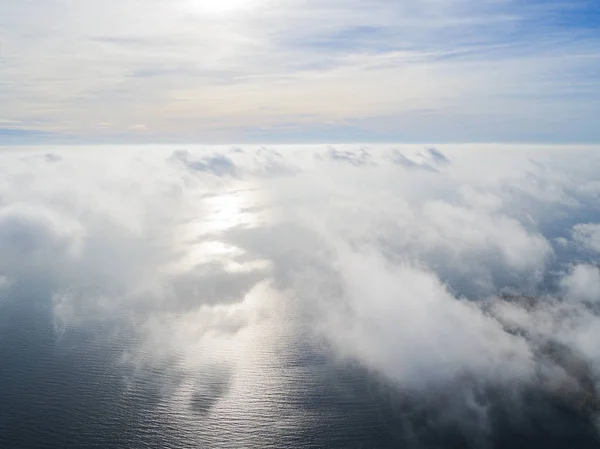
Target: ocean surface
73 392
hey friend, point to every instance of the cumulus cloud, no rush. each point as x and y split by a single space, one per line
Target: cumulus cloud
588 236
583 283
359 158
428 160
404 321
219 165
469 286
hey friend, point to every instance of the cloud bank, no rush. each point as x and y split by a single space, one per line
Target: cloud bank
465 277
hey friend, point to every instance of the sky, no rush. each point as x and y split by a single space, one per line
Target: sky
299 71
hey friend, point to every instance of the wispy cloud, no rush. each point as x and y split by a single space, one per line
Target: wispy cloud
199 70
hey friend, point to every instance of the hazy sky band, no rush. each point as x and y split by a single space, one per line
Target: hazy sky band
329 70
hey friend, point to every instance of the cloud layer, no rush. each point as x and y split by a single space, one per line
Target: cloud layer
465 277
223 71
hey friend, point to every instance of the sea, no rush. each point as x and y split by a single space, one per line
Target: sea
76 392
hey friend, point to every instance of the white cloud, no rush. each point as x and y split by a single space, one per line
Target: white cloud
404 322
583 283
449 282
588 236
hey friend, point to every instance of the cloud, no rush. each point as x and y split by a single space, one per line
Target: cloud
471 290
139 127
588 236
390 71
402 160
350 157
583 283
35 236
405 322
218 165
437 155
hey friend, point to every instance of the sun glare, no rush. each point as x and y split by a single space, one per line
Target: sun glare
224 7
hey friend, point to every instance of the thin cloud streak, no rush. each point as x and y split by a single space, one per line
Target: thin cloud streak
189 71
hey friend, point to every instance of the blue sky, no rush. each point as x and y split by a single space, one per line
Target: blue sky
299 71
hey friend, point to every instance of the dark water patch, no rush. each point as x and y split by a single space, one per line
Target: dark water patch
73 392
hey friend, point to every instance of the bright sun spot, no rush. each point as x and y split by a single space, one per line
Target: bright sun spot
223 7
